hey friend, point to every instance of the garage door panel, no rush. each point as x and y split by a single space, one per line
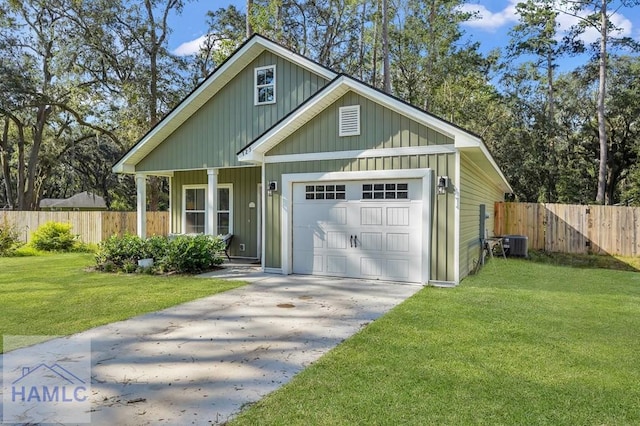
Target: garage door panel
398 268
371 241
307 238
397 216
337 265
398 242
371 215
337 215
336 240
309 263
371 267
361 236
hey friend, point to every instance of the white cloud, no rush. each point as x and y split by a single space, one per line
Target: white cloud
591 35
490 21
190 47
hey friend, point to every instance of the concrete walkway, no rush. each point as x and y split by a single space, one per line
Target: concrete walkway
201 362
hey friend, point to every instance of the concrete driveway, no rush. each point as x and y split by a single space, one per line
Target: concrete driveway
202 361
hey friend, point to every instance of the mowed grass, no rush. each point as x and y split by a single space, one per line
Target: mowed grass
56 295
521 343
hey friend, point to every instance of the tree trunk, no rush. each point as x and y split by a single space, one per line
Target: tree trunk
552 134
602 128
5 156
385 47
374 67
249 17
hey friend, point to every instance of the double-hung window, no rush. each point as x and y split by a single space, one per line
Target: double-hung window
195 210
265 85
225 203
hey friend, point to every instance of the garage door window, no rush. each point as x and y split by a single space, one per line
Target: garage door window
325 192
385 191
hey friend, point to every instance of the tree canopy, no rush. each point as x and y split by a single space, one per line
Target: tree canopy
82 81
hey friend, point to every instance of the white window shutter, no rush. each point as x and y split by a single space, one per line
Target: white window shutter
349 121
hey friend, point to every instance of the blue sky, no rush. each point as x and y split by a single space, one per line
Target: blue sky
496 17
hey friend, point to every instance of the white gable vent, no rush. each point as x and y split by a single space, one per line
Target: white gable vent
349 121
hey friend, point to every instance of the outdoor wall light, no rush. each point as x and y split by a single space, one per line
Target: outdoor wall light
443 184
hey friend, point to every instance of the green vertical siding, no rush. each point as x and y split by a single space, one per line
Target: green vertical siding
475 189
196 177
379 128
230 120
245 190
442 261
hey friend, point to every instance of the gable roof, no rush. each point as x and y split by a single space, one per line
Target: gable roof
235 63
463 140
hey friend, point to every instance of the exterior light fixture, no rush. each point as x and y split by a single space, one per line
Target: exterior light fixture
443 184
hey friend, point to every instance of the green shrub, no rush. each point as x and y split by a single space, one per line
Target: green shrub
9 238
191 254
53 236
26 251
156 247
184 254
116 251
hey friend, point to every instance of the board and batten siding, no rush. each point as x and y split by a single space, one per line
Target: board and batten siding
213 135
475 189
245 182
377 123
442 260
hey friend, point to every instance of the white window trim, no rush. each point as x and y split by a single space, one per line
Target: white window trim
230 187
204 186
256 87
184 204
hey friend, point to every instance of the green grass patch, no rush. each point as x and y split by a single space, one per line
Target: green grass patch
54 294
620 263
519 343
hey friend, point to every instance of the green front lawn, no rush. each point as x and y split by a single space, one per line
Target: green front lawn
520 343
55 295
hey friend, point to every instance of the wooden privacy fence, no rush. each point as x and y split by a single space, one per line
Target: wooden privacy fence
572 228
92 227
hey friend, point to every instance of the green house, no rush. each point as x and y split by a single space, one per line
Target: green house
315 172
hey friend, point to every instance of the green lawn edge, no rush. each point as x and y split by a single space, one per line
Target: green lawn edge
520 343
57 294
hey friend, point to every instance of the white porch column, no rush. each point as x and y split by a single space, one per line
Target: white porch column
211 221
141 196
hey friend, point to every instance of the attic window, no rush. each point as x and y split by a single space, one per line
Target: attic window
265 85
349 121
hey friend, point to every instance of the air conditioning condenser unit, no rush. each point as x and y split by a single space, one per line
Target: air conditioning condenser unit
515 245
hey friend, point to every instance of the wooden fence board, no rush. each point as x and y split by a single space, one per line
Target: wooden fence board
572 228
91 226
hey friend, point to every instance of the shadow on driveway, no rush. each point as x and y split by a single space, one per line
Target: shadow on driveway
202 361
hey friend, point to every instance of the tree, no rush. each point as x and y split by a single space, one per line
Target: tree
536 34
225 33
45 109
596 14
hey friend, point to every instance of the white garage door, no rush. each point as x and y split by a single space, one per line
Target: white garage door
361 229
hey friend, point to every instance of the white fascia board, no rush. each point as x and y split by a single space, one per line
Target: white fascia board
296 58
459 135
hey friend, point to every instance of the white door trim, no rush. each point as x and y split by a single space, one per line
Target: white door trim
287 205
